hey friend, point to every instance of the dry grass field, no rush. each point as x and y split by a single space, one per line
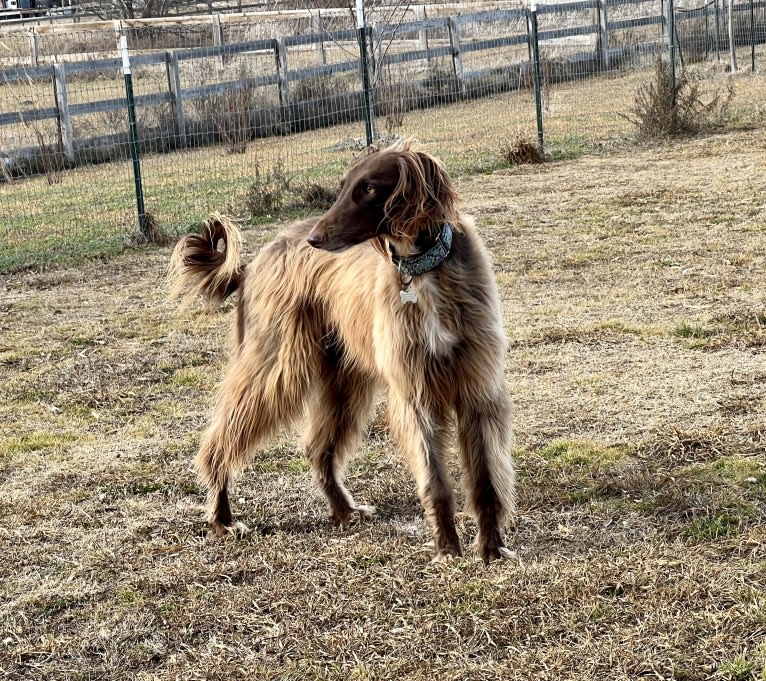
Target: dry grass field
634 293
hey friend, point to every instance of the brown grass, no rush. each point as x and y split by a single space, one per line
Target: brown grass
641 447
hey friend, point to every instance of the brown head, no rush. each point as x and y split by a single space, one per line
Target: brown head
397 192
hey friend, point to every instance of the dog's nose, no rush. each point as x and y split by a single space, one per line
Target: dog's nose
317 237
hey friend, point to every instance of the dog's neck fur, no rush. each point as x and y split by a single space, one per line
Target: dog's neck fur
431 249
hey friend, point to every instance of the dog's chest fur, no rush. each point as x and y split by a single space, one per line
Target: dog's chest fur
411 338
428 321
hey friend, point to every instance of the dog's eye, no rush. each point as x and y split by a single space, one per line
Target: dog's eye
369 189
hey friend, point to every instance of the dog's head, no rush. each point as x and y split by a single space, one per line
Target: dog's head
397 192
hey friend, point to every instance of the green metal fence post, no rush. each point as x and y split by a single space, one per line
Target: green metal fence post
670 21
752 36
133 134
537 77
369 114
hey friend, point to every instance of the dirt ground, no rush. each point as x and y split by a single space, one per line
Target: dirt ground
634 294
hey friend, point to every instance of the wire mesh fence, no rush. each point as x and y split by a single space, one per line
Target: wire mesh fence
250 115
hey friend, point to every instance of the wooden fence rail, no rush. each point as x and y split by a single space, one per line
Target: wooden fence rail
454 48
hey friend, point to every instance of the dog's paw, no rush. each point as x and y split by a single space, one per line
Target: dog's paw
354 515
364 512
490 553
446 557
237 530
445 552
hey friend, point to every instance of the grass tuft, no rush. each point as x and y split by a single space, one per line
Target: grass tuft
317 196
686 330
718 525
683 447
41 442
521 151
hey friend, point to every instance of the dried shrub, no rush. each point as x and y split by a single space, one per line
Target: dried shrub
51 155
665 109
321 102
697 36
318 196
521 151
392 100
441 87
229 113
320 87
48 158
266 196
152 233
233 121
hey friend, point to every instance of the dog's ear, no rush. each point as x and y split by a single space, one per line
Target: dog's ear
424 196
442 195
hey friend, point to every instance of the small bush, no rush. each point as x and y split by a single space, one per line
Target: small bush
233 121
392 100
153 233
663 109
441 86
228 113
521 150
320 87
266 196
318 196
52 156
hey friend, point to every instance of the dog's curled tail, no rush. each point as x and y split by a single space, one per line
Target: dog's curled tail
199 268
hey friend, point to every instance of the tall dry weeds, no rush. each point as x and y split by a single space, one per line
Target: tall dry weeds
665 109
47 135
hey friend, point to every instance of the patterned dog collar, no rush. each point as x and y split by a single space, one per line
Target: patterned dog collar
424 262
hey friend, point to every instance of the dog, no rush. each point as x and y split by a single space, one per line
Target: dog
392 289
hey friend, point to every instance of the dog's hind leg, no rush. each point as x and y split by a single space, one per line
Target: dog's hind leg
258 396
484 432
338 414
424 436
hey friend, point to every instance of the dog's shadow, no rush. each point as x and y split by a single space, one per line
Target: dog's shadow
391 509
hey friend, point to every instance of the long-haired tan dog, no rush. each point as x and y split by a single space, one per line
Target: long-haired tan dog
391 288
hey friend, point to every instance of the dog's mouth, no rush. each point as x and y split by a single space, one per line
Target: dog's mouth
323 241
337 247
330 245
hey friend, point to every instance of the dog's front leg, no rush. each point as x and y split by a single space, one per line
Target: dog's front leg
484 431
423 437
